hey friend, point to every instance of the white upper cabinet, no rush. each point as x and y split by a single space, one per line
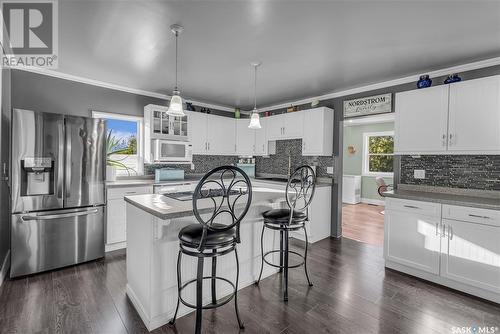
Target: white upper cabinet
261 138
421 120
474 116
221 135
317 137
275 126
459 118
197 129
245 137
293 127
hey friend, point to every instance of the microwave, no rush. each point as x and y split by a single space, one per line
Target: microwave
172 151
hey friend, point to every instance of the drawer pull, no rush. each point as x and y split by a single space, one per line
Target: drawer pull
131 192
411 207
478 216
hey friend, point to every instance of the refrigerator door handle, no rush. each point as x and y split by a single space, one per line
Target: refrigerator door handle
61 215
67 171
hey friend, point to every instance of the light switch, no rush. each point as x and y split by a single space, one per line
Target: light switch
329 170
419 173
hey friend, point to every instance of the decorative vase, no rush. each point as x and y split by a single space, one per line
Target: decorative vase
237 113
190 107
110 173
452 78
424 81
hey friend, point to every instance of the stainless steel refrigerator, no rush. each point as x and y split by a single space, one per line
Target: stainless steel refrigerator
58 191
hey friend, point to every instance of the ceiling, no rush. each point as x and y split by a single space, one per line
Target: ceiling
307 48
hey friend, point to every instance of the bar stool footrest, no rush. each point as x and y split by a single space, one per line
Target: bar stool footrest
282 266
221 302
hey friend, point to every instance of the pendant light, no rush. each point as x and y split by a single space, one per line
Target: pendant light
255 118
176 107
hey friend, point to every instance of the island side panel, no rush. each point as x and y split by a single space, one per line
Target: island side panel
139 231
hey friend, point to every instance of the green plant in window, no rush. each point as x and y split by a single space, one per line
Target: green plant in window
113 147
380 154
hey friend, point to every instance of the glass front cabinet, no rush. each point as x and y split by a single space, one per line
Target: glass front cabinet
159 125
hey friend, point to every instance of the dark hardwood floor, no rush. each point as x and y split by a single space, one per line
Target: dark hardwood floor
363 222
352 293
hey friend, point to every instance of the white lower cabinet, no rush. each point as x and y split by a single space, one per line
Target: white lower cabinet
451 245
116 220
471 254
411 237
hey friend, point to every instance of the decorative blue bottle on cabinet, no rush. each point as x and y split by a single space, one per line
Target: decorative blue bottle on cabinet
452 78
424 81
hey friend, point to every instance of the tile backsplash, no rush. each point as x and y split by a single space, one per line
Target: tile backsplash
202 164
480 172
278 163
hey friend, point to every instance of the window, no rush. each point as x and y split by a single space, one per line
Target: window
378 154
124 142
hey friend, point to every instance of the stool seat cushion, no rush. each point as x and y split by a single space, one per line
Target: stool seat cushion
191 235
283 215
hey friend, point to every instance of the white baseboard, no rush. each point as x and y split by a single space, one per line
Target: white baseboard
5 268
115 246
380 202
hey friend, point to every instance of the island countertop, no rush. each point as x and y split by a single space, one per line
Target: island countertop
165 207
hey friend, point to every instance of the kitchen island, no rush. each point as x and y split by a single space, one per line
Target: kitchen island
153 224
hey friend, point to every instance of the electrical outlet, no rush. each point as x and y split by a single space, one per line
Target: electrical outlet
419 173
329 170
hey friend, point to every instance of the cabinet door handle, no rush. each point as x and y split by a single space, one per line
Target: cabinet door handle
411 207
450 232
444 140
437 229
478 216
209 146
131 192
451 139
443 230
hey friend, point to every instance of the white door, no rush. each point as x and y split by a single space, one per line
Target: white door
245 138
422 120
293 125
471 254
312 138
275 127
411 240
221 135
261 138
197 129
474 121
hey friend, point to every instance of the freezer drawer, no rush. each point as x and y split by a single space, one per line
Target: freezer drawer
53 239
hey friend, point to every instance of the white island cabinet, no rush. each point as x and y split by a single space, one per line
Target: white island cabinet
153 245
452 245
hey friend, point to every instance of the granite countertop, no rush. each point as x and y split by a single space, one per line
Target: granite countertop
168 208
451 196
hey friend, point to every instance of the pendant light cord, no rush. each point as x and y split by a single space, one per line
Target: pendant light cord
176 56
255 90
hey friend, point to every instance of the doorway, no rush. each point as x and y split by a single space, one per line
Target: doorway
368 156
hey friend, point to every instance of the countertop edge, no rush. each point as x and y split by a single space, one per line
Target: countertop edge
445 199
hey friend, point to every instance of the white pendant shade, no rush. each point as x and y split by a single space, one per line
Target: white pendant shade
175 108
254 121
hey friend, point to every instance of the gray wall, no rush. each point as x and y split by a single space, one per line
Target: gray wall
337 105
38 92
4 159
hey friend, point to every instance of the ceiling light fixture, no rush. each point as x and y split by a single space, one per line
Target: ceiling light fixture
255 118
176 107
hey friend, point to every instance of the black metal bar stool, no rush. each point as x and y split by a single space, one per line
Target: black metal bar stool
299 194
220 202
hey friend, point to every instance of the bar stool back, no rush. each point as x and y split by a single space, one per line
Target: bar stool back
299 195
220 202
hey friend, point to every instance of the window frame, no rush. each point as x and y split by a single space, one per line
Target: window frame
366 161
140 135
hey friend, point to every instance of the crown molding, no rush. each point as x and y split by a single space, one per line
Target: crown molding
389 83
98 83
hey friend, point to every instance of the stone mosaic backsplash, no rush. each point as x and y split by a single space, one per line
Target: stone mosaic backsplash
278 163
481 172
202 164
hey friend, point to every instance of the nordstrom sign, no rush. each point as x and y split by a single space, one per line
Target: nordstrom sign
378 104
